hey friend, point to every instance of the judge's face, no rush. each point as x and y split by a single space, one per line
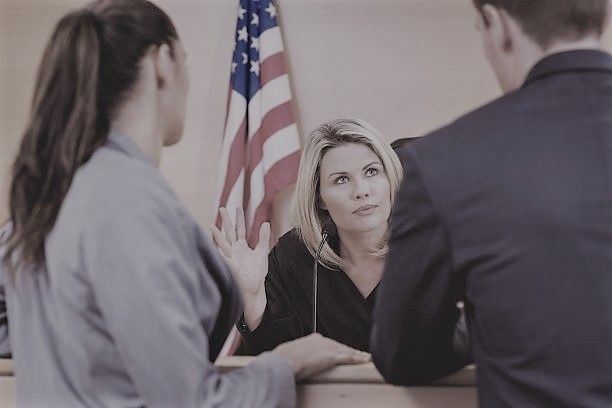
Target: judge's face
354 189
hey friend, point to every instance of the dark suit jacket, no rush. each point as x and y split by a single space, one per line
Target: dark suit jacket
509 209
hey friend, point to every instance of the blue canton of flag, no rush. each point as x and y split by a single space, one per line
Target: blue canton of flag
254 17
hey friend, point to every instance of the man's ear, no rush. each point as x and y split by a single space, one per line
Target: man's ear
164 64
498 24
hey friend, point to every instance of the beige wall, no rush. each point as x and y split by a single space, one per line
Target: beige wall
407 66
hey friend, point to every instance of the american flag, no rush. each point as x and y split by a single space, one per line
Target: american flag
261 145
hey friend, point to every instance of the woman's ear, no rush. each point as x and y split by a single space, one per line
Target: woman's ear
164 64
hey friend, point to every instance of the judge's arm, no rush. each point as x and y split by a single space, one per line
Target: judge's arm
268 318
279 322
415 314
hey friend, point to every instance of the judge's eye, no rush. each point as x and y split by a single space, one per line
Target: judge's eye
372 171
341 180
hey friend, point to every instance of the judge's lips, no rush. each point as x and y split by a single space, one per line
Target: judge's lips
366 209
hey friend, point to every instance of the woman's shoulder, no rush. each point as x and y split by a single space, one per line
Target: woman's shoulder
113 178
291 243
290 262
290 250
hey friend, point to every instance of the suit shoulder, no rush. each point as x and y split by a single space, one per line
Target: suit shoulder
482 125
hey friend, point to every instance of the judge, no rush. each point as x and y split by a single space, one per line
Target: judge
347 180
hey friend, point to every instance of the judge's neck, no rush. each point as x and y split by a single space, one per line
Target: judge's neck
356 248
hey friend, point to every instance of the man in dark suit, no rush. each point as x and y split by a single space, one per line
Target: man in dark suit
509 210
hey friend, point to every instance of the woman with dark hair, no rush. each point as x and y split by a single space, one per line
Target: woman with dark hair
114 296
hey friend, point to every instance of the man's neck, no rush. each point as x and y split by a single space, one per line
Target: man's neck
588 43
533 56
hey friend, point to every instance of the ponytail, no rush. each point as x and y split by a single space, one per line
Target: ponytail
89 63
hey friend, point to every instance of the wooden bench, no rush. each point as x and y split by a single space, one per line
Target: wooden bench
342 387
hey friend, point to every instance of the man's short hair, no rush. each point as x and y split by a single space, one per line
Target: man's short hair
549 21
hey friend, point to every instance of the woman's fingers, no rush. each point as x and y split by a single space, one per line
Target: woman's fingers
227 225
343 354
221 241
240 224
264 238
352 356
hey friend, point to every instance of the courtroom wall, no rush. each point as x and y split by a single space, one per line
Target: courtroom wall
407 66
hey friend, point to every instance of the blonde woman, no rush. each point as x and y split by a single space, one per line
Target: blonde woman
347 181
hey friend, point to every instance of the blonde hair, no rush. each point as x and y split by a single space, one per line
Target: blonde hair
309 217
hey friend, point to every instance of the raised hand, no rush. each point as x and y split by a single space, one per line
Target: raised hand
249 266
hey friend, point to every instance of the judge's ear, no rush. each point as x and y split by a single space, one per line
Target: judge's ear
498 24
164 64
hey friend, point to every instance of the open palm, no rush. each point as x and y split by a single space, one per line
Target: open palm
249 266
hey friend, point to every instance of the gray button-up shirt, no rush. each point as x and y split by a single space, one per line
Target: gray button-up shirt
133 302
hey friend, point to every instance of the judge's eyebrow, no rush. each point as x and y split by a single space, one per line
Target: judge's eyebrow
369 164
339 173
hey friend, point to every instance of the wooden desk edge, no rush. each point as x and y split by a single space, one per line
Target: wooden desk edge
6 367
360 373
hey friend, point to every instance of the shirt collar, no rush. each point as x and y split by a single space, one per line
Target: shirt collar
575 60
117 140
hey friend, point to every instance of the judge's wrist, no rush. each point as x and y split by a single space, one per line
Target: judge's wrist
254 308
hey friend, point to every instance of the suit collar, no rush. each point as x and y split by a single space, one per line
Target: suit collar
576 61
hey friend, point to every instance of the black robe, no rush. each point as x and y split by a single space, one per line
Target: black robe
343 313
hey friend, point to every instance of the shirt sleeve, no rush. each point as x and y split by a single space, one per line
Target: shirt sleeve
279 322
415 315
156 298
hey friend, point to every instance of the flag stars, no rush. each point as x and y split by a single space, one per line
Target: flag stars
255 67
234 66
271 10
255 20
255 43
245 57
243 34
241 13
